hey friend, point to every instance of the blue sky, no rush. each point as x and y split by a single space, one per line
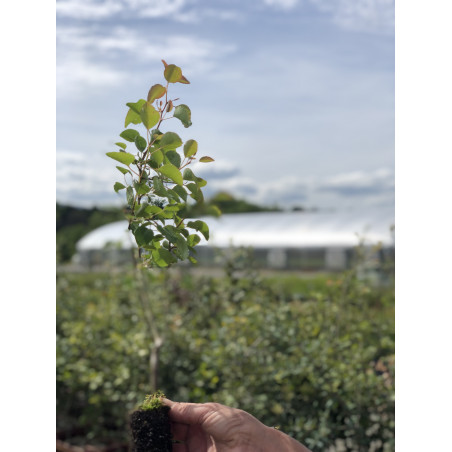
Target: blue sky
294 99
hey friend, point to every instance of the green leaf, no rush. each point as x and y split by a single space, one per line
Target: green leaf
156 159
200 226
156 135
172 208
174 158
132 117
159 188
123 170
155 241
196 192
118 186
190 148
182 249
193 239
145 210
206 159
172 194
149 115
180 191
201 182
170 233
156 92
214 211
136 106
170 140
140 211
172 73
189 175
165 215
153 210
122 157
184 80
130 196
140 143
143 236
129 135
173 173
173 235
134 225
184 232
163 257
121 145
183 113
141 188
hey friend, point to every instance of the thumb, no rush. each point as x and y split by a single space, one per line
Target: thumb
187 413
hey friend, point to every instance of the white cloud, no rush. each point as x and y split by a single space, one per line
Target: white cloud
198 15
226 14
79 73
348 190
355 15
69 157
87 9
90 10
193 54
88 57
344 189
283 4
360 15
157 8
219 170
358 182
78 180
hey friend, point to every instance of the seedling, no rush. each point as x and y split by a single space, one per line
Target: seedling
157 179
158 184
150 425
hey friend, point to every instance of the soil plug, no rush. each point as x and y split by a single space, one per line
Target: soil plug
150 425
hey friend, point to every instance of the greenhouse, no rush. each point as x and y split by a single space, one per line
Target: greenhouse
280 240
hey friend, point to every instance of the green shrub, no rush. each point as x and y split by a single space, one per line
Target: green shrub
320 368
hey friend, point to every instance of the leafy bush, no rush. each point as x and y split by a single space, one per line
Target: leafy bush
321 368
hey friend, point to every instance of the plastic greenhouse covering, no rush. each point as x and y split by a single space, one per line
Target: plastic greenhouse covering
273 230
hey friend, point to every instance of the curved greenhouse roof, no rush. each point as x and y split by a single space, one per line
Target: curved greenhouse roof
272 230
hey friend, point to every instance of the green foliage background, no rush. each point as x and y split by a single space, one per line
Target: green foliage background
317 361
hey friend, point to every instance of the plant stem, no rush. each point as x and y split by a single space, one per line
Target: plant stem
157 339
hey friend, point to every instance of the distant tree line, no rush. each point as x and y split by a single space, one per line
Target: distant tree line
72 223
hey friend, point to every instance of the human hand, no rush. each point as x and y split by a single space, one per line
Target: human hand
211 427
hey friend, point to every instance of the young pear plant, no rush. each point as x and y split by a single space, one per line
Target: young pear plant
157 179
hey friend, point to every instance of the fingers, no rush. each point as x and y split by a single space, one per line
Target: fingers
179 431
188 413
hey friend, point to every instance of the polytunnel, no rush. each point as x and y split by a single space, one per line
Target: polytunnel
309 240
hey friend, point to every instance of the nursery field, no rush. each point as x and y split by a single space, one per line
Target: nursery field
311 355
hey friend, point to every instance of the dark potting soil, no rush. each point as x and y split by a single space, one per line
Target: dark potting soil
151 430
